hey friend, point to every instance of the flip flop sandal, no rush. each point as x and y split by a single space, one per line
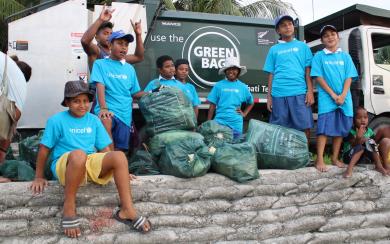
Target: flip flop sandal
137 224
70 222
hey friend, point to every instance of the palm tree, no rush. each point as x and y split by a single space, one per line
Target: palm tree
268 9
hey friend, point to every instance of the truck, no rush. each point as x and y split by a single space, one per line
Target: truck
50 41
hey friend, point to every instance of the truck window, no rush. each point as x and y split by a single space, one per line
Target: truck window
381 49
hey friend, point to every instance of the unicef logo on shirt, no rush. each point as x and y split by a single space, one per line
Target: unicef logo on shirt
341 62
206 49
295 49
87 130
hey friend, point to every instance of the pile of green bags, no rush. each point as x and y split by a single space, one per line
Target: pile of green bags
17 170
278 147
142 163
167 109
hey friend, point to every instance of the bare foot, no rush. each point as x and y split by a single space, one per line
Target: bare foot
320 166
339 164
347 173
4 180
70 212
381 170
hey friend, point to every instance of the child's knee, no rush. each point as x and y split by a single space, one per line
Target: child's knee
118 157
77 158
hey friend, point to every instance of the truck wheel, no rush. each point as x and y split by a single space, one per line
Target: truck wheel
376 123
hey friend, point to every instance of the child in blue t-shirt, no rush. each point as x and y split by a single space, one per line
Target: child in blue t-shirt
117 85
166 68
72 137
227 97
182 68
334 71
290 90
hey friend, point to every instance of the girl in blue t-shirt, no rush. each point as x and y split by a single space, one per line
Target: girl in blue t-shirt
334 71
228 95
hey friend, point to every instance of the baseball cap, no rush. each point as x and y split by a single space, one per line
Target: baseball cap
327 27
120 35
74 88
282 17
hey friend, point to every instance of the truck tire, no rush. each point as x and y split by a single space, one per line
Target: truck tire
378 122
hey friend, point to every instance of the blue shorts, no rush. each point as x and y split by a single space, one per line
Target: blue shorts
334 123
291 112
120 134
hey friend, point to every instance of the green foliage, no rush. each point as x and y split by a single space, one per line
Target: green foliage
268 9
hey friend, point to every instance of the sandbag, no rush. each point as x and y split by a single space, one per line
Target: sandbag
158 142
167 109
142 163
185 158
17 170
278 147
215 134
236 161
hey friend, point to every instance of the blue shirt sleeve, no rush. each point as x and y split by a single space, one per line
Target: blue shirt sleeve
196 101
135 86
308 56
150 86
213 96
51 134
269 65
102 137
97 73
350 69
316 67
248 96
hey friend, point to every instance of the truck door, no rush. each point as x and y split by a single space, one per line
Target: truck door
379 69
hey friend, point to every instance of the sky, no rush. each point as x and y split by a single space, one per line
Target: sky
323 8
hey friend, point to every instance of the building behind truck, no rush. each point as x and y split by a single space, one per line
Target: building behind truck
49 40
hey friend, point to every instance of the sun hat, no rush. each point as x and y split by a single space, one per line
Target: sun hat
74 88
231 62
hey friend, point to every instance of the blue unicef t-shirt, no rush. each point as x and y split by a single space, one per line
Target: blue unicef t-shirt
192 92
171 83
228 96
334 68
287 61
65 133
120 81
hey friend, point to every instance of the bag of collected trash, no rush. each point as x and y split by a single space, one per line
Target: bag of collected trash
215 134
185 158
158 142
28 151
141 163
167 109
28 148
17 170
10 154
236 161
278 147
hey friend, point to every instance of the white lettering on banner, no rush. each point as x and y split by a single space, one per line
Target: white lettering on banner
117 76
87 130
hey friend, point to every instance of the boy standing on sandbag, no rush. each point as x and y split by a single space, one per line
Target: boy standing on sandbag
290 89
228 95
71 138
117 85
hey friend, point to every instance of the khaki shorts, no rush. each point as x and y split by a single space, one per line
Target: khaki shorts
93 167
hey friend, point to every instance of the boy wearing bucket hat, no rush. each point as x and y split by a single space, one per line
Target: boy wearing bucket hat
290 90
71 137
228 95
117 85
334 72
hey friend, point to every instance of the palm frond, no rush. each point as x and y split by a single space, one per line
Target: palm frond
169 4
268 9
